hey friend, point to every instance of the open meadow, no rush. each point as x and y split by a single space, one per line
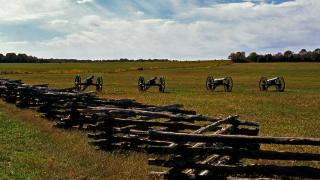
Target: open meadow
31 148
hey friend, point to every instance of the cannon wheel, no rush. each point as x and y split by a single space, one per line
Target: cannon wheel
162 86
141 84
209 83
228 84
282 85
77 83
263 84
99 84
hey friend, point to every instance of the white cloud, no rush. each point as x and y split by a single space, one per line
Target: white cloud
84 1
32 9
59 22
139 13
14 43
193 32
13 46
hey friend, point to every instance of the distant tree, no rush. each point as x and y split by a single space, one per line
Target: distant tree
1 57
232 56
11 57
310 57
303 52
124 60
253 57
278 57
288 55
261 58
295 58
317 51
238 57
278 54
268 58
316 55
21 58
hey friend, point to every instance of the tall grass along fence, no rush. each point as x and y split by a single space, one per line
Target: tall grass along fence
182 143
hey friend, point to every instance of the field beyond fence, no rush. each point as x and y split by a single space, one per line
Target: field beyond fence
290 113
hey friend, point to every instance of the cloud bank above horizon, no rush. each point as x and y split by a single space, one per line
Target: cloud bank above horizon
173 29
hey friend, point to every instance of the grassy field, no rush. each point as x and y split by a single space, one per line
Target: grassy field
294 112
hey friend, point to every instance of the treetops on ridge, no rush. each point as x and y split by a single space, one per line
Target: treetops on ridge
287 56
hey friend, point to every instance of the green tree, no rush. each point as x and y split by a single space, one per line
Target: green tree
303 52
1 57
253 57
268 58
288 55
316 55
238 57
11 57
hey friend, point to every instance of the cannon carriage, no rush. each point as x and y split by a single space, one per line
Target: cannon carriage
213 83
144 86
79 86
278 82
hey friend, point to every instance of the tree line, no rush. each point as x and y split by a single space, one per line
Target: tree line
288 56
237 57
24 58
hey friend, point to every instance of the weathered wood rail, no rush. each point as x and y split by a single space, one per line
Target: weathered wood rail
183 161
182 153
188 145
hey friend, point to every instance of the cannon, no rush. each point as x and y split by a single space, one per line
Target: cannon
143 86
88 82
213 83
278 82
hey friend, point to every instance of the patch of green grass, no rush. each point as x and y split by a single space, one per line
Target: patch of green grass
30 148
296 108
19 153
294 112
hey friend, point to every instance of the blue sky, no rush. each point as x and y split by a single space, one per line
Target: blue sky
174 29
